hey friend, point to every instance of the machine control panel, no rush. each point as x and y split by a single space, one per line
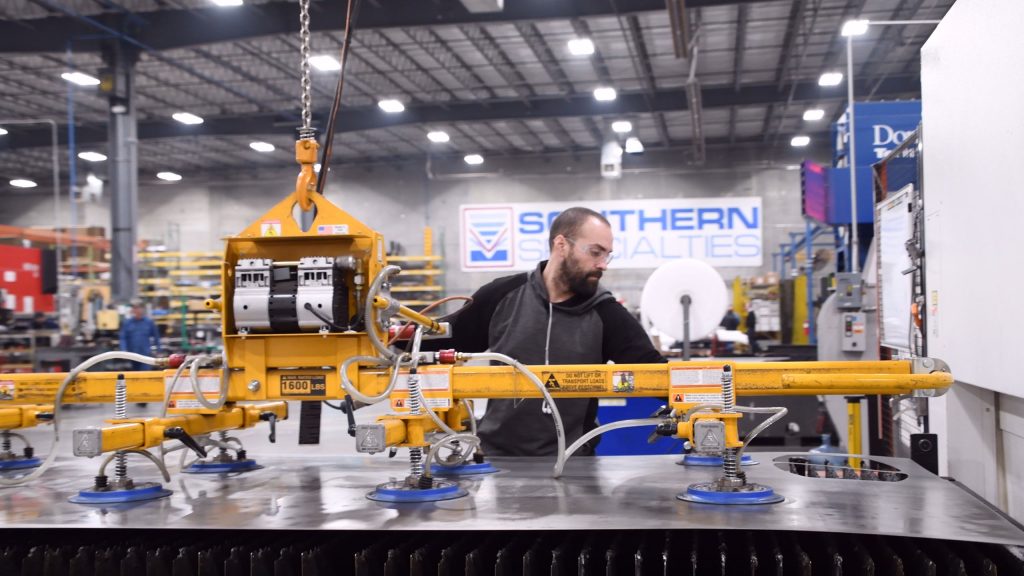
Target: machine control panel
849 291
853 326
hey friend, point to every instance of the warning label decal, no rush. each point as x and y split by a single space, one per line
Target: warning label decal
577 381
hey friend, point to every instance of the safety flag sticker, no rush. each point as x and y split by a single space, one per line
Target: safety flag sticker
270 228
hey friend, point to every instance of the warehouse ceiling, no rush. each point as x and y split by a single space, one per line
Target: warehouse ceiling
499 83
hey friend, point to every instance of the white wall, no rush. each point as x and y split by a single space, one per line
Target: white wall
973 127
400 200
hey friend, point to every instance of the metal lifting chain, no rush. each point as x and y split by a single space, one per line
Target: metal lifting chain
307 99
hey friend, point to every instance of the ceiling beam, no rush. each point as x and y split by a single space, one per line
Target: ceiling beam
541 107
182 28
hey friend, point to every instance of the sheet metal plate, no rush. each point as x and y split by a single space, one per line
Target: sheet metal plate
612 492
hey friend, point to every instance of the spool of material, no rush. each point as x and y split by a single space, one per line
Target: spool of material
660 301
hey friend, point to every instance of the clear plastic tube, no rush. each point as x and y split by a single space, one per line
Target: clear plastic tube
777 413
601 430
470 439
370 313
555 415
351 390
59 399
193 376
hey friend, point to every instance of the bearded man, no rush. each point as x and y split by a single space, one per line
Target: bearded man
556 314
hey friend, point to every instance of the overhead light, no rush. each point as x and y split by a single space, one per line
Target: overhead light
830 79
622 126
226 3
438 136
93 180
187 118
92 156
634 145
80 78
391 106
474 159
261 146
792 167
23 183
581 47
604 94
814 114
3 132
325 63
800 141
855 28
168 176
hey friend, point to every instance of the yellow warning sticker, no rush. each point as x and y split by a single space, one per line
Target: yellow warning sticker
270 228
695 385
576 381
435 384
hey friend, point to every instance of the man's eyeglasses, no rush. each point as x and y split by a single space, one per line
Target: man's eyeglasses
596 252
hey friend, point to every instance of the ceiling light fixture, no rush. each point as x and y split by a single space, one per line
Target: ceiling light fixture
168 176
474 159
800 141
92 156
325 63
23 183
261 146
604 94
80 78
3 132
830 79
187 118
855 28
634 145
814 114
581 47
438 136
391 106
622 126
227 3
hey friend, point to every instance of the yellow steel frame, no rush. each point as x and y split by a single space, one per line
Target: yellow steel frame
303 366
14 417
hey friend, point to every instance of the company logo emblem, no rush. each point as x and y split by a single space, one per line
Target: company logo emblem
487 237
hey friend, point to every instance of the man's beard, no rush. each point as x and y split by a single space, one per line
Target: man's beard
577 279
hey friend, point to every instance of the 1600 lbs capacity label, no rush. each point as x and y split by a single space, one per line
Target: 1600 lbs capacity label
303 385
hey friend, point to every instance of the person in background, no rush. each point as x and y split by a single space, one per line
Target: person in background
730 321
752 330
139 334
557 314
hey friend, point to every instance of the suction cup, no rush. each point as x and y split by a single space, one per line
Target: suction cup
400 491
711 493
143 491
226 467
463 470
702 460
19 464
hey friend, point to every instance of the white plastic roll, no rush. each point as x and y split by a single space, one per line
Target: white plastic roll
660 301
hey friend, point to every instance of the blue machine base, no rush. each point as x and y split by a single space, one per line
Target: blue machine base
704 493
463 470
19 464
398 492
700 460
147 491
221 467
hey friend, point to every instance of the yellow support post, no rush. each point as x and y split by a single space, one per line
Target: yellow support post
853 427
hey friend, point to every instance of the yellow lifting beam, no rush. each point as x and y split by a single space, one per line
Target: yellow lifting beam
564 381
13 417
142 433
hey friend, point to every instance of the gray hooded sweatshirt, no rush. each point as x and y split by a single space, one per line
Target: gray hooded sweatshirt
514 316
